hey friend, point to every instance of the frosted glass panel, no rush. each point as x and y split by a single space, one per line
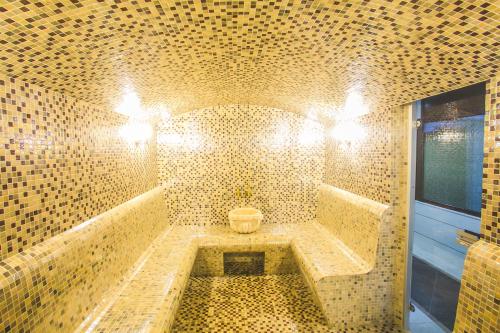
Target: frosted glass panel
450 149
453 158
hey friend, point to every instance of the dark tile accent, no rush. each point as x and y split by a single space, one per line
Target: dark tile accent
244 263
435 292
422 283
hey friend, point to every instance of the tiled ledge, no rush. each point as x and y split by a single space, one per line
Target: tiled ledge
478 309
55 285
150 295
51 286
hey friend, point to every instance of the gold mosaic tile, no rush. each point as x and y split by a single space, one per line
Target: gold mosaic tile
478 308
288 54
54 285
490 214
278 259
261 304
341 280
478 304
213 160
62 162
375 168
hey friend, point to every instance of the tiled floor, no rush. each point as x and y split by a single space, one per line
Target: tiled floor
435 292
270 303
421 323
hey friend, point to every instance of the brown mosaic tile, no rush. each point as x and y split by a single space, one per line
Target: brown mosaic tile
53 286
213 160
375 168
62 162
478 304
287 54
270 303
490 213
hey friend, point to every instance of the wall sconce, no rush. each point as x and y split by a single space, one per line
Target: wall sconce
348 131
347 128
136 132
130 104
310 134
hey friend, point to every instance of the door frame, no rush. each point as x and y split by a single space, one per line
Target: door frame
413 111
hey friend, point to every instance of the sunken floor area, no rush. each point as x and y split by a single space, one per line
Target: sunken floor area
269 303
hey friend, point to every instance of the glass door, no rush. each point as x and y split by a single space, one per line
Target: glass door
447 205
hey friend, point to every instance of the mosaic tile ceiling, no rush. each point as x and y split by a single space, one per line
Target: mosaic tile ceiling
289 54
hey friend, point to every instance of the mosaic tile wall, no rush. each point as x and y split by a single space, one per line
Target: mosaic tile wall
287 54
62 162
375 168
213 160
478 309
53 286
478 305
490 214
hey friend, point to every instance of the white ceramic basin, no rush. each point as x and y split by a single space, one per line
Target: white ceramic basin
245 220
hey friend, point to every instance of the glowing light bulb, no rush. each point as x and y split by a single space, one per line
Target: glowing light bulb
348 131
136 132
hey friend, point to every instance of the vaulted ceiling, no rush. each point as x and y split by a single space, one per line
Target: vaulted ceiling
289 54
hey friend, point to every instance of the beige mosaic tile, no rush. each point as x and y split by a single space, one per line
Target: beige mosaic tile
341 279
62 162
213 160
278 259
478 304
490 214
261 304
287 54
150 296
478 309
375 168
54 285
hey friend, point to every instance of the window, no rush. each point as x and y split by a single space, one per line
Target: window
450 149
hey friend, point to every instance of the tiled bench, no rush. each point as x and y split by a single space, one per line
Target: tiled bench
147 296
52 286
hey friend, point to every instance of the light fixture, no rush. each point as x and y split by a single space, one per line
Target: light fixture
137 129
347 128
134 131
130 104
354 105
311 133
348 131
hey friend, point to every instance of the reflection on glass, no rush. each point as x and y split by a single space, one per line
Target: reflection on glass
453 160
450 149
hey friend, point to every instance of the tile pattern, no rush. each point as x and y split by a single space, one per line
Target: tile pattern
395 239
270 303
54 285
350 218
364 298
147 298
62 162
478 304
288 54
213 160
377 170
490 214
278 259
478 309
